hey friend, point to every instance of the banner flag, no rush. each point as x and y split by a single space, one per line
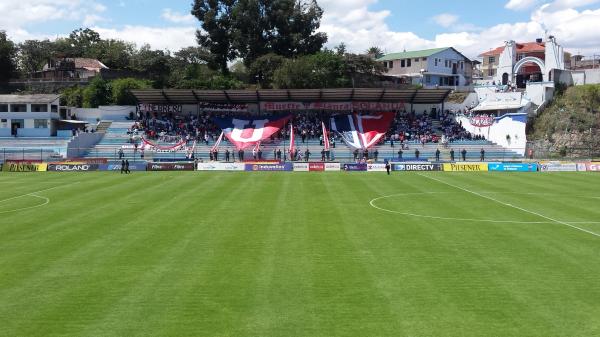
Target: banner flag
217 143
148 145
362 131
292 139
247 132
325 137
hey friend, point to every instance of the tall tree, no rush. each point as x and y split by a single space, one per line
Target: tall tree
7 57
34 54
217 30
374 52
283 27
83 41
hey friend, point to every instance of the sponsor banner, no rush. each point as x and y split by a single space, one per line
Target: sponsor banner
329 167
160 108
170 167
270 167
301 167
23 166
513 167
221 167
376 168
84 161
331 106
558 167
466 167
416 167
72 167
355 167
318 167
262 162
589 167
117 167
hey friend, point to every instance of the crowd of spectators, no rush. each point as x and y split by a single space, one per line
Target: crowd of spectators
406 128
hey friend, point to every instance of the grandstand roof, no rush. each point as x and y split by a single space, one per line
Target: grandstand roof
34 99
187 96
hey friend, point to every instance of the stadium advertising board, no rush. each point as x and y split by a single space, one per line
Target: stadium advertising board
558 167
221 167
269 167
160 108
170 166
466 167
376 168
117 167
355 167
589 167
301 167
513 167
316 167
23 166
330 167
72 167
416 167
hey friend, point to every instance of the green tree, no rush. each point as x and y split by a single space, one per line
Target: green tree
98 92
7 57
261 71
155 64
374 52
83 42
217 33
115 54
34 54
121 90
72 97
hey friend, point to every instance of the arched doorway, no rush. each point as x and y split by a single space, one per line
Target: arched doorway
529 69
504 79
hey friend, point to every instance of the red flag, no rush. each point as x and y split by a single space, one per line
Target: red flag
325 136
292 137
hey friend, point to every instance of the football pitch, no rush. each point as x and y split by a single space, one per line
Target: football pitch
299 254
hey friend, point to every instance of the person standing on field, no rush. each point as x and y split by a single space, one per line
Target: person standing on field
437 155
388 167
127 166
464 154
482 155
451 154
122 166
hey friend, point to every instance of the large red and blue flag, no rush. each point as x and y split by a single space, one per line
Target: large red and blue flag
362 131
247 132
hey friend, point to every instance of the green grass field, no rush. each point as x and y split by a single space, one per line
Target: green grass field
299 254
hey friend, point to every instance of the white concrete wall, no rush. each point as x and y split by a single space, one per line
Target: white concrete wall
592 76
113 113
539 92
509 124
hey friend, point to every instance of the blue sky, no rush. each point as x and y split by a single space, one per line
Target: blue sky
469 25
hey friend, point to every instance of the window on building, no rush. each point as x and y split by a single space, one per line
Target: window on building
391 64
492 59
416 60
520 56
427 79
491 72
39 108
402 63
446 63
40 123
18 108
462 65
424 59
54 108
408 62
436 62
3 107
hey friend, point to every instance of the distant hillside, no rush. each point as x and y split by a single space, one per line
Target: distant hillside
570 125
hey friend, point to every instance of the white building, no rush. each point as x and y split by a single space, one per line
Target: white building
430 67
29 115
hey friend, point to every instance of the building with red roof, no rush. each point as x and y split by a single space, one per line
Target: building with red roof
529 72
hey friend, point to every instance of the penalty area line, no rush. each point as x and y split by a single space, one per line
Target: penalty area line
40 191
511 205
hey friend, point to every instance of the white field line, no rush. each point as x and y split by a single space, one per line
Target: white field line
47 201
44 190
513 206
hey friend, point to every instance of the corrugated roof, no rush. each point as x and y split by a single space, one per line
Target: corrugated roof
36 99
89 64
412 54
187 96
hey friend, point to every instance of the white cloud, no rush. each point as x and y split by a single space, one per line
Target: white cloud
172 38
445 19
176 17
520 4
